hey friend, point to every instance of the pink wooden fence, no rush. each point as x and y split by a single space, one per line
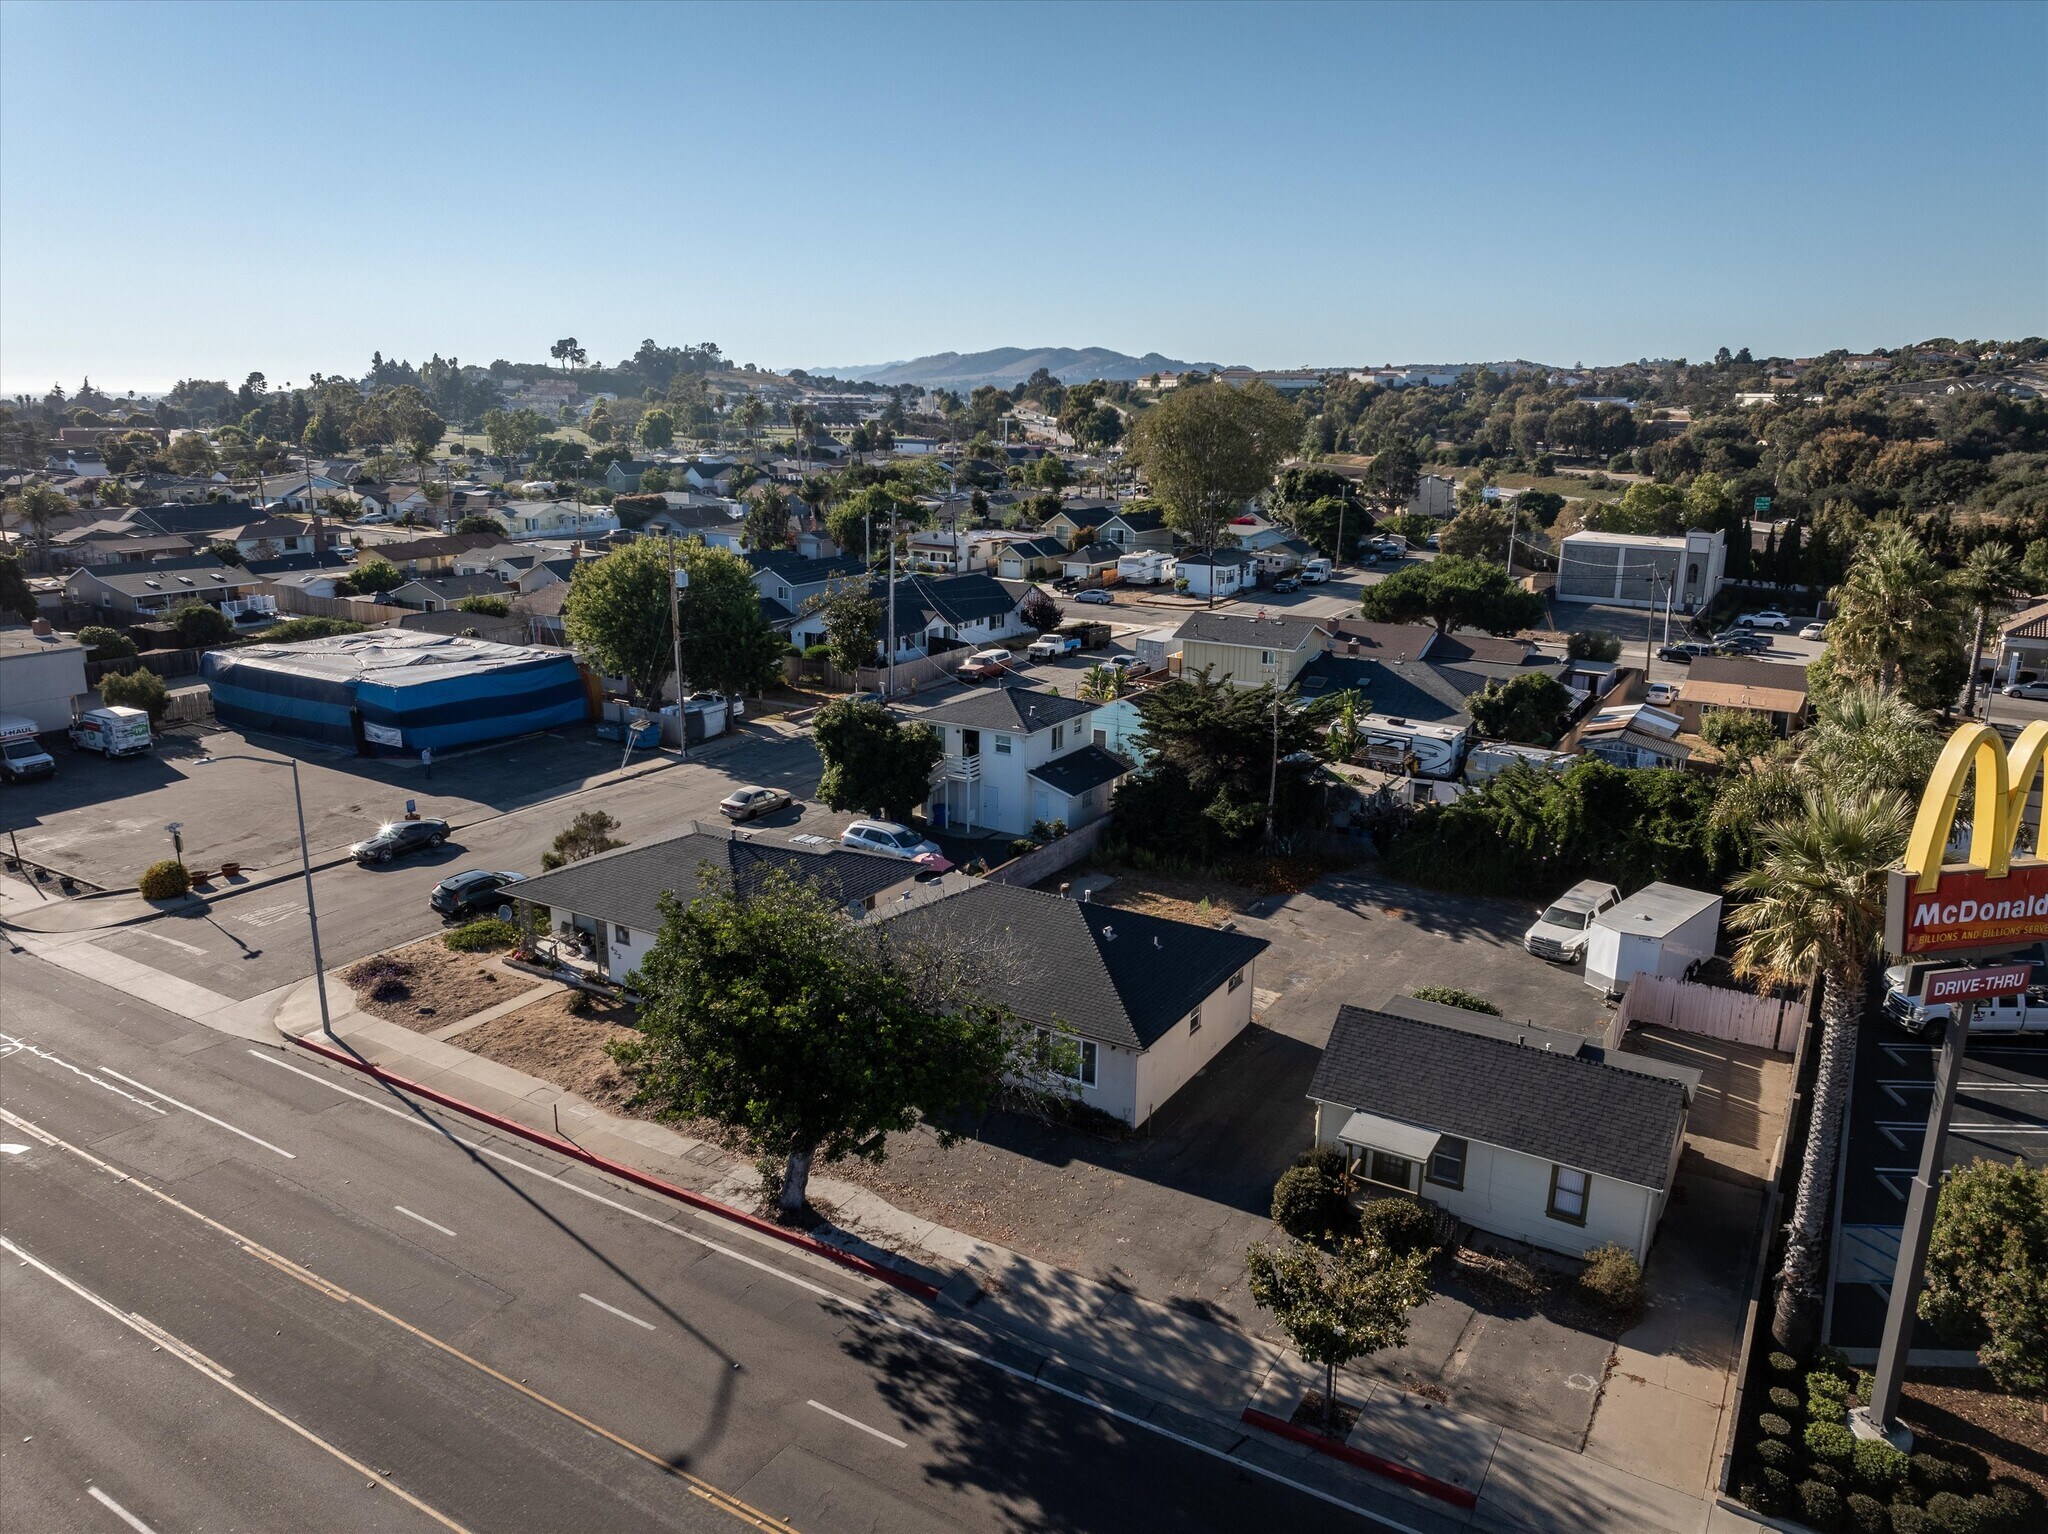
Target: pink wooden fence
1768 1022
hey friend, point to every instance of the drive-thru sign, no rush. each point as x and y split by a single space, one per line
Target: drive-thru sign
1953 985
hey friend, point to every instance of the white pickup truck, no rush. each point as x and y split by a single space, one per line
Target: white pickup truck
1053 646
2005 1014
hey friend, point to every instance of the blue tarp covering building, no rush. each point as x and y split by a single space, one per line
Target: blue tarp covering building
395 691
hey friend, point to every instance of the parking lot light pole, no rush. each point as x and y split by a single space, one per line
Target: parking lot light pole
305 868
1880 1418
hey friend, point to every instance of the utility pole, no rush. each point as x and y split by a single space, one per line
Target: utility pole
675 633
1273 763
1514 526
889 600
1880 1418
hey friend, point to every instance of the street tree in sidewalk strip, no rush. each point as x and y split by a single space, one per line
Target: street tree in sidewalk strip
1339 1307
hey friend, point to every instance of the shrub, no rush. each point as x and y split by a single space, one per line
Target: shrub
199 625
482 936
293 630
103 643
1784 1402
1820 1504
1879 1466
1830 1443
1401 1225
1908 1519
1783 1363
136 689
1950 1513
164 881
1866 1514
1613 1279
1021 845
1951 1467
1309 1200
1777 1453
1593 644
380 978
1765 1490
1774 1425
1822 1382
817 652
1451 996
2015 1507
489 606
1828 1475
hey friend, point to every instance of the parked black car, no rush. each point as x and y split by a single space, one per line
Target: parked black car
399 838
1286 584
1685 654
474 891
1743 641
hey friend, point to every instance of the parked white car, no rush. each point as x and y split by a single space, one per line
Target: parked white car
894 840
1769 618
1560 934
1662 692
1814 631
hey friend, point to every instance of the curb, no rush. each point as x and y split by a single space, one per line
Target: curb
915 1287
1414 1480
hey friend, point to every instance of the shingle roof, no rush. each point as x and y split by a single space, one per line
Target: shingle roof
1097 554
1220 557
1268 633
1020 709
457 586
1079 771
1741 672
2028 623
1140 521
1109 974
1038 548
201 573
626 886
1595 1116
956 598
802 569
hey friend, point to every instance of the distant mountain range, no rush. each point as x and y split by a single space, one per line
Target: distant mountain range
1008 366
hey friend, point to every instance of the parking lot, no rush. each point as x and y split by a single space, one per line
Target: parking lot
2001 1114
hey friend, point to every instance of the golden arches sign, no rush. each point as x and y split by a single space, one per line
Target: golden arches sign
1991 900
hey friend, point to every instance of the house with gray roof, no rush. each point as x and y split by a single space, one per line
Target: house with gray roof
1143 1002
138 591
1014 756
1249 650
1529 1134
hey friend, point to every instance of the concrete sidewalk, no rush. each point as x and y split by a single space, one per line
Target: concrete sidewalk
1158 1362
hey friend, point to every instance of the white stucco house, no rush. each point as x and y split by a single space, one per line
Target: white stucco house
1014 756
1537 1136
1221 574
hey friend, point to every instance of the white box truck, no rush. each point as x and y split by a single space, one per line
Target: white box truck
21 755
1661 929
112 731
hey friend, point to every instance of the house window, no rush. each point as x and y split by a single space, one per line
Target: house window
1084 1059
1059 736
1195 1021
1002 745
1568 1195
1447 1163
1237 980
1265 657
1392 1170
620 935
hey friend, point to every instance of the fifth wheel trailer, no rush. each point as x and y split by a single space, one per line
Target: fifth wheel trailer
1661 929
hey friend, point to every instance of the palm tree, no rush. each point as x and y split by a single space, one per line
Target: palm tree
1815 903
1892 605
1988 578
1862 740
1103 684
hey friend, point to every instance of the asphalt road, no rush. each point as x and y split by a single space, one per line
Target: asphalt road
512 1341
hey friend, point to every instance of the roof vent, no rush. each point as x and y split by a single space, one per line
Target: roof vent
1155 941
1109 934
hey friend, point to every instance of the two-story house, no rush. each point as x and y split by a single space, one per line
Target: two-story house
1248 651
711 475
1014 756
1134 532
623 474
793 585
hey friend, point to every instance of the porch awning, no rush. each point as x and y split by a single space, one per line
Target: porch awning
1368 1131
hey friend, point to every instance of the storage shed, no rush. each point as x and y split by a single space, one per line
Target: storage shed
1662 929
396 691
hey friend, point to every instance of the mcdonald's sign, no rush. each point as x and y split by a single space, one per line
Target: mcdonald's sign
1999 897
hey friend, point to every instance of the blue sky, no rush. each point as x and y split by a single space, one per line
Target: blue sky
205 190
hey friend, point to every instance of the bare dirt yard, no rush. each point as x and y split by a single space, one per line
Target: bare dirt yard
550 1039
1963 1406
425 986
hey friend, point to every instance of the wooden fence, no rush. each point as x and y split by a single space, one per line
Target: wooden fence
1715 1012
304 604
910 674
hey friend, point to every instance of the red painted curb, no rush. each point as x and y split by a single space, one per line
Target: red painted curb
1414 1479
861 1265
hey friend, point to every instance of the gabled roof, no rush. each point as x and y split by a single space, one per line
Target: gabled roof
1079 771
1405 690
1096 554
1035 548
206 517
170 577
958 598
625 886
1740 673
455 587
1596 1116
1116 976
1220 557
2028 623
298 564
804 570
1382 641
1268 633
1139 521
1020 710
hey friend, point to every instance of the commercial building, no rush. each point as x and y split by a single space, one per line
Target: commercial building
1631 570
40 673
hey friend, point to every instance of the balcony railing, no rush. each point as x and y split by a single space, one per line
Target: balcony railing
961 769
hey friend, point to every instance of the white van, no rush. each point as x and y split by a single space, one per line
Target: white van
21 755
1315 572
112 731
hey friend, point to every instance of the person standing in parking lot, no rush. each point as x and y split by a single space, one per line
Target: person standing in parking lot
427 761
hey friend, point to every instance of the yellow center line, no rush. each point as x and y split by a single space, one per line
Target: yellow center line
723 1500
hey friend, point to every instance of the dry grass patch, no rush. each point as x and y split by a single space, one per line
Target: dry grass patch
423 986
1209 902
552 1039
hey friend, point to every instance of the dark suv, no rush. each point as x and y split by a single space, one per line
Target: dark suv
475 890
1686 654
399 838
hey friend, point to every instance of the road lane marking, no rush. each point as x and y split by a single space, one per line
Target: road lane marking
852 1307
192 948
622 1315
118 1510
187 1356
13 1150
10 1045
444 1230
723 1500
199 1113
850 1422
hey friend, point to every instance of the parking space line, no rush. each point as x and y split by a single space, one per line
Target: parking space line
200 1113
118 1510
622 1315
191 948
444 1230
851 1422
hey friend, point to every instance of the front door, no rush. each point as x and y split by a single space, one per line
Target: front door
970 743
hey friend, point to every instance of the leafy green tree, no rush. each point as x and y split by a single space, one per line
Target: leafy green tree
1478 532
1987 1270
292 630
140 688
1814 902
774 1014
584 837
191 453
199 625
513 433
489 606
1862 740
616 615
1530 710
102 643
226 553
479 522
1338 1308
1593 644
373 575
1897 622
38 508
2034 566
1738 734
1392 477
726 642
1040 611
1989 578
657 429
1207 449
16 600
853 628
873 764
1453 592
767 523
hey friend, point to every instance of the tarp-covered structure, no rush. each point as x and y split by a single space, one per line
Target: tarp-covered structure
396 691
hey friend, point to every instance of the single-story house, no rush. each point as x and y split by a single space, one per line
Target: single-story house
1631 735
1145 1002
147 590
314 574
1409 671
938 612
1509 1128
1222 573
1777 692
435 555
1249 651
2023 644
432 593
1085 564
